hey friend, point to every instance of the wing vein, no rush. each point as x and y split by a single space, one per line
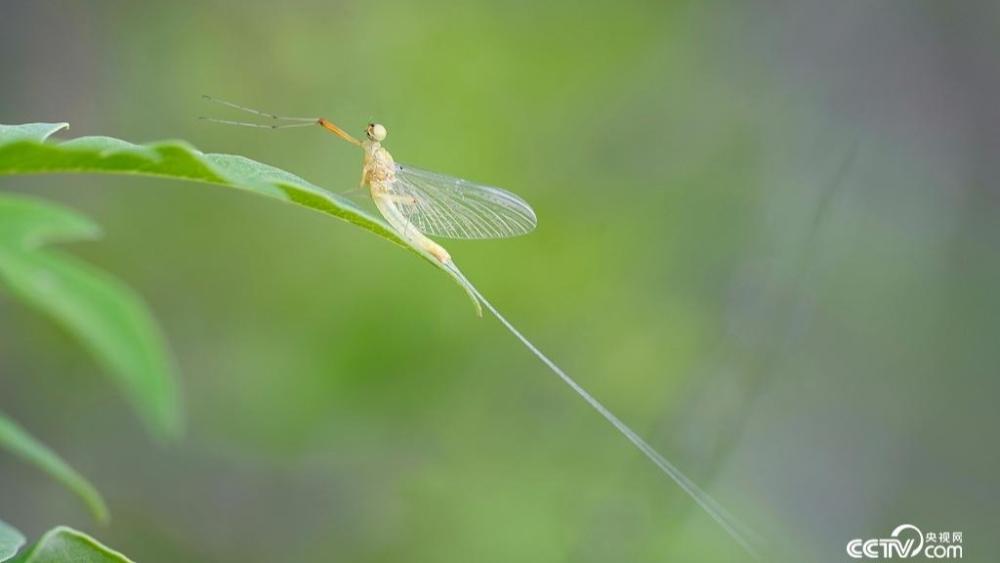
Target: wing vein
449 207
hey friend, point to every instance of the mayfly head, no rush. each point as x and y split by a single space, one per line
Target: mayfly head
376 132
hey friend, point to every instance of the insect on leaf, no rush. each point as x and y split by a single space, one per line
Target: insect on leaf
25 149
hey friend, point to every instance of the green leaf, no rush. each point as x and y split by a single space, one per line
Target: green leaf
23 150
31 131
14 439
66 545
10 541
102 312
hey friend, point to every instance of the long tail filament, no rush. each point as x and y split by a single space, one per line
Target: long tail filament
738 531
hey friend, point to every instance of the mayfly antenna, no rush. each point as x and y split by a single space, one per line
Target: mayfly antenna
296 121
258 112
277 119
257 125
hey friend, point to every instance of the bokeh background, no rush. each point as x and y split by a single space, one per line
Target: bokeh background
768 239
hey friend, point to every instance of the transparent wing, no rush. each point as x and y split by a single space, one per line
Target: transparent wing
443 206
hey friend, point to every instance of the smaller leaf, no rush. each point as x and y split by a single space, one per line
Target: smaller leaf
10 541
105 314
66 545
16 440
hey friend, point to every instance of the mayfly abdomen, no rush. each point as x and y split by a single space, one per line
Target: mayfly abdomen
390 210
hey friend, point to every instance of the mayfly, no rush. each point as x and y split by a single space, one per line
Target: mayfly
419 204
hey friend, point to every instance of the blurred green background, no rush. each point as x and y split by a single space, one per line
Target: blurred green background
768 239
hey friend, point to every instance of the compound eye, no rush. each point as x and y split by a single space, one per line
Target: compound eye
376 132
